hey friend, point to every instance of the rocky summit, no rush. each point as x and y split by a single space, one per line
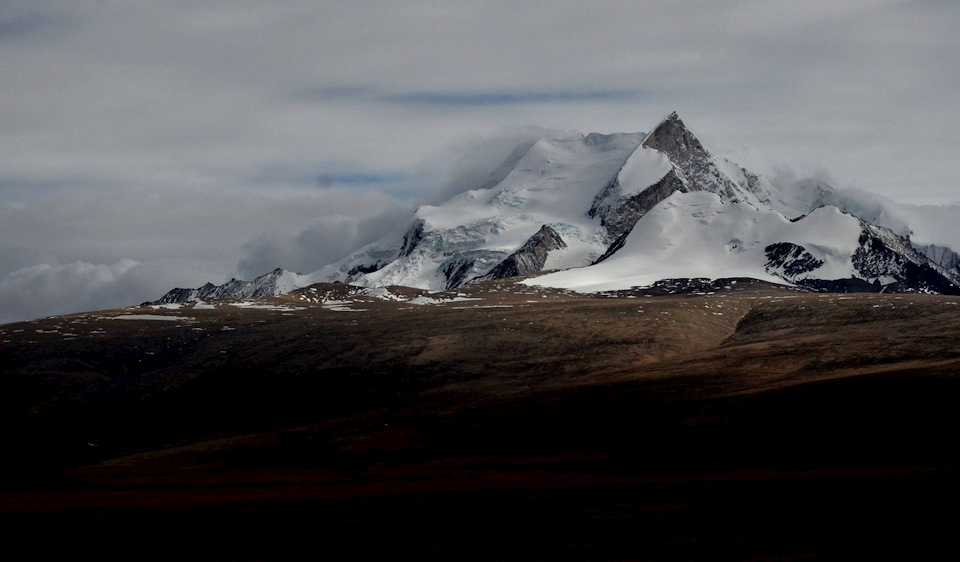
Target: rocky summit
569 204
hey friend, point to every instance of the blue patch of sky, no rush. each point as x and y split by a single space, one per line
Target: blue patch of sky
336 93
403 192
25 25
16 191
361 179
315 176
508 98
478 98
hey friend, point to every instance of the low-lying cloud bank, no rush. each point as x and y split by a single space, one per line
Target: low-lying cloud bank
47 290
105 248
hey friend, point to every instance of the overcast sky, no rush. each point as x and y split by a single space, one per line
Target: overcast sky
147 145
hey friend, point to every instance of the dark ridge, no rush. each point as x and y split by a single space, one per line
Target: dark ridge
791 258
530 258
412 238
456 272
620 214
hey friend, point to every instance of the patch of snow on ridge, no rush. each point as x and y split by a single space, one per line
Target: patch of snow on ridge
382 293
147 317
440 300
691 235
924 224
262 306
644 168
288 281
340 306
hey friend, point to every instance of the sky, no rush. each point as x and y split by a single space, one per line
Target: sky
150 145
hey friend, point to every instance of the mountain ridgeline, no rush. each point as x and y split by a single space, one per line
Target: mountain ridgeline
600 212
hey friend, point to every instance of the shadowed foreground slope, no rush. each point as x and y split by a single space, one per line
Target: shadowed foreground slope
746 423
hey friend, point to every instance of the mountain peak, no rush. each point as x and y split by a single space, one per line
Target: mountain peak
572 203
671 134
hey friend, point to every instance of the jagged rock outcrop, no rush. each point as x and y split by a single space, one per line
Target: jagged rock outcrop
618 213
692 168
464 266
898 266
672 138
941 256
883 261
531 257
699 170
789 260
270 284
411 238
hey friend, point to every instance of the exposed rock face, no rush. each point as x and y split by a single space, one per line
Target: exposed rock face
365 268
619 214
411 238
698 169
613 248
466 265
693 169
887 257
789 260
267 285
531 257
456 272
941 256
883 262
671 137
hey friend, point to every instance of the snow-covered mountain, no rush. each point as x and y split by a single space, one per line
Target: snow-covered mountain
931 230
277 282
628 209
697 235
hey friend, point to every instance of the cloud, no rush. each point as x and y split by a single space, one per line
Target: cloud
788 177
238 133
478 160
473 162
323 241
45 290
106 226
181 237
197 94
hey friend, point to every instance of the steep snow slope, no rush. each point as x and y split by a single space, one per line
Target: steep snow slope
936 227
590 190
642 169
697 235
699 170
672 159
469 235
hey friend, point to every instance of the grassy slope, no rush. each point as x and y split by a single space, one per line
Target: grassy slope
754 422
